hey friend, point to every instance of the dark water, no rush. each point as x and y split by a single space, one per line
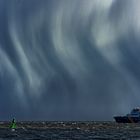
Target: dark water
70 130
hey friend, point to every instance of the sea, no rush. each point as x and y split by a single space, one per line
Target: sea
70 131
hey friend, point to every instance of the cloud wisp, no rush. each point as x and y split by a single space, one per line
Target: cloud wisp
69 60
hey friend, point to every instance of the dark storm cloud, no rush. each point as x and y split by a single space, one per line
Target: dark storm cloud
69 60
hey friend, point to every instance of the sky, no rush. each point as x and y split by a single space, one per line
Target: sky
69 59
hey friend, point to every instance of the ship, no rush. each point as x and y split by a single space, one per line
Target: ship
132 117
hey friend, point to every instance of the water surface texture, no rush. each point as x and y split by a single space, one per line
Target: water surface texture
71 131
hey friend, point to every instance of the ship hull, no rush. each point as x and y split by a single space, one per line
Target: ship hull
126 119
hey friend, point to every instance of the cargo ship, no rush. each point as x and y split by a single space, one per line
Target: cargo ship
132 117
